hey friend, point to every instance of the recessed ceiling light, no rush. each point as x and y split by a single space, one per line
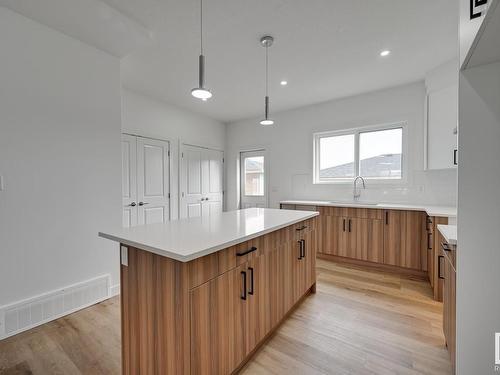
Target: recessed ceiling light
284 83
385 53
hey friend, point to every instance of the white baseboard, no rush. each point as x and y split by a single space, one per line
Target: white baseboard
114 290
31 312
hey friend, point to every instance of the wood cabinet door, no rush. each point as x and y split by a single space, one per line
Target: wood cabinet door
393 236
287 265
310 259
218 316
449 307
414 227
368 236
259 303
333 236
298 270
403 234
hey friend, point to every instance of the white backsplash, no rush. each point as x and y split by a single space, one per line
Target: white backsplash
430 187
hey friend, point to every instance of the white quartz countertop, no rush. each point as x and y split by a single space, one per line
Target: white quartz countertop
188 239
449 233
442 211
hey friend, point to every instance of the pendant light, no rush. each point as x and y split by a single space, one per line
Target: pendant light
267 41
201 92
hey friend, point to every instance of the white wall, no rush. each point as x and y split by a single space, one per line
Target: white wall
478 253
145 116
60 158
290 148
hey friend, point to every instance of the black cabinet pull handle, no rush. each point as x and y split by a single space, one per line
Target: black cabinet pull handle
251 281
439 266
301 228
445 246
244 292
300 249
455 161
303 248
386 217
429 241
253 248
344 226
350 226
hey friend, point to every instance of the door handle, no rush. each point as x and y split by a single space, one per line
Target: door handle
303 248
251 281
439 266
133 204
143 203
300 249
429 241
455 161
252 249
386 217
244 292
343 226
350 226
206 198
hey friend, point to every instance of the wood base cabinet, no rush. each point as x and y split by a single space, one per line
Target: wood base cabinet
403 235
390 237
209 315
352 233
449 278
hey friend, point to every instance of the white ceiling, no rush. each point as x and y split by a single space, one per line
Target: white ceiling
326 49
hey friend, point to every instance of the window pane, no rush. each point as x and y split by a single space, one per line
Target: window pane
336 159
380 153
254 176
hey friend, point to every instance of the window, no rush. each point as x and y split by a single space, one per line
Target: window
254 176
374 153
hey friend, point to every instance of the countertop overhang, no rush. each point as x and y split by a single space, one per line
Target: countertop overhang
432 210
449 233
188 239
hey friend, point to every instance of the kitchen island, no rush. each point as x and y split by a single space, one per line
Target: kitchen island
199 296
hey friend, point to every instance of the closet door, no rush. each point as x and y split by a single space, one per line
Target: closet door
201 174
129 180
191 181
212 174
153 188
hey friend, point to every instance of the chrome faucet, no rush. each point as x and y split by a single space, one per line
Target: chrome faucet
356 192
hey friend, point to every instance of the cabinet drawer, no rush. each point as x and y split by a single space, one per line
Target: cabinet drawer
366 213
238 254
302 207
299 230
352 212
203 269
333 211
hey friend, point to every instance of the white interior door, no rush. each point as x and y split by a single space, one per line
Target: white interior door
153 182
191 181
201 174
212 174
253 179
129 180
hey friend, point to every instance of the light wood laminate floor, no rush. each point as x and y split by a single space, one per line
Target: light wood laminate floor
359 322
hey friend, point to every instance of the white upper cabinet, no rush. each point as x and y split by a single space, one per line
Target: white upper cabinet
442 116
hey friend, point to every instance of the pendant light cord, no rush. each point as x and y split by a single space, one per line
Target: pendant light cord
201 27
267 68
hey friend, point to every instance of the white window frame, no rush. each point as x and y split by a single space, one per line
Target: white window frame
356 132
